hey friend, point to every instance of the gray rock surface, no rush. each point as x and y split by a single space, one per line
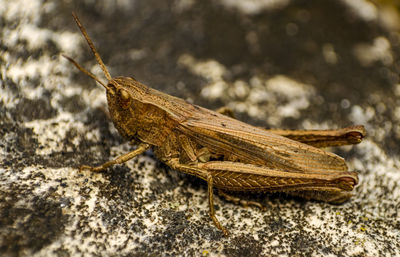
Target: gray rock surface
289 64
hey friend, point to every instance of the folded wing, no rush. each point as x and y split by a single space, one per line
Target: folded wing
250 144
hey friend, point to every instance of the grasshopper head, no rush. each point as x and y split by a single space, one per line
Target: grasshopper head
128 101
126 89
125 95
121 92
128 105
118 95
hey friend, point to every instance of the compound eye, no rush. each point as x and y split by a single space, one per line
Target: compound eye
125 98
124 95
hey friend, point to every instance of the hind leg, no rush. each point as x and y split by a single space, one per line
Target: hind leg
238 200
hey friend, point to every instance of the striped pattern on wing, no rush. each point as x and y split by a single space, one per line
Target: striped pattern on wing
250 144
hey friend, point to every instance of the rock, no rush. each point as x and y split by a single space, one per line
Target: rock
288 64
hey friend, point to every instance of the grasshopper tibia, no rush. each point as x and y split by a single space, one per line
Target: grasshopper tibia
238 200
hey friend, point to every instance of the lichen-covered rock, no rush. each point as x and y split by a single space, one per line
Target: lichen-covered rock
290 64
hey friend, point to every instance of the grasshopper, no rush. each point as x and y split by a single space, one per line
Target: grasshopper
228 154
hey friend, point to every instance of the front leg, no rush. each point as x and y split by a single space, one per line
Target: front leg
120 159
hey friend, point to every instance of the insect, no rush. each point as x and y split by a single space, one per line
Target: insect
228 154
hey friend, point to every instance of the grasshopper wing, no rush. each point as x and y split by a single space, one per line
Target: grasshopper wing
236 140
248 144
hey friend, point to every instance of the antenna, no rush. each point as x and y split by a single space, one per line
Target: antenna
91 45
85 71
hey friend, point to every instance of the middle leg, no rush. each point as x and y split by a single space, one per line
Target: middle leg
206 175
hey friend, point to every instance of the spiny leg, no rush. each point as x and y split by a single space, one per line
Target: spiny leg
238 200
234 176
333 185
120 159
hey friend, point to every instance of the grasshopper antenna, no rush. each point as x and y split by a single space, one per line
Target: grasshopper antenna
85 71
91 45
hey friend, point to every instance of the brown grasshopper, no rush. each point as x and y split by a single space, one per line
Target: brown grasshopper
230 155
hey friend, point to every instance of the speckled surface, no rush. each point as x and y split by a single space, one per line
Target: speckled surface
290 64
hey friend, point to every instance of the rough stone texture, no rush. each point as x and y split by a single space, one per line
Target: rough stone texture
291 64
